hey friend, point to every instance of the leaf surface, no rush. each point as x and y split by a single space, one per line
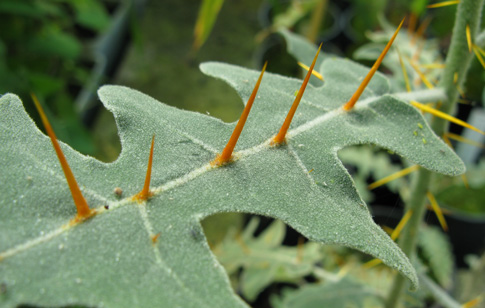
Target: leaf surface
344 293
111 260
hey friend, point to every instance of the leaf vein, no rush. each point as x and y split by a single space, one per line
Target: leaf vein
191 175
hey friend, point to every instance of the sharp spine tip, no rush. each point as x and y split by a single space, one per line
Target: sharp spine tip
226 155
281 136
355 97
83 210
145 193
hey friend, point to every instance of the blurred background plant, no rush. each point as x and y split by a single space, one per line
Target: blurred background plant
53 48
43 49
62 50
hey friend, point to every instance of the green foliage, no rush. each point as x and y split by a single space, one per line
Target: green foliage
371 162
436 252
209 9
439 294
470 283
90 14
42 52
263 259
344 293
111 259
453 194
412 49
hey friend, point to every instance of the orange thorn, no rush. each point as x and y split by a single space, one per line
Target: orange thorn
425 80
226 154
445 116
478 51
314 73
404 71
464 140
83 210
394 235
155 238
145 193
468 38
437 210
280 137
372 263
350 104
422 27
442 4
402 223
412 23
432 65
300 249
472 303
392 177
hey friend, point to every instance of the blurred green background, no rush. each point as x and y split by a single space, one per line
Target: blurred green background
59 50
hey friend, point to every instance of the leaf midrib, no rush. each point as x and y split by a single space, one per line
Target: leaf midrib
186 178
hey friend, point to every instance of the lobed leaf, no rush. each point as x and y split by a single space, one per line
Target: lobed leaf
111 260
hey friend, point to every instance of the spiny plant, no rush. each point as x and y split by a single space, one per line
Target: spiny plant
122 247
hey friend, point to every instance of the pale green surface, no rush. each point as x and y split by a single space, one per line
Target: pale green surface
344 293
470 282
263 259
110 261
437 253
440 295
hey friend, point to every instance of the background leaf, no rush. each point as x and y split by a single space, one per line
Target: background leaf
436 251
263 259
345 293
209 9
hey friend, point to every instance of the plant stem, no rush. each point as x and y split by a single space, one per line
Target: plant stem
457 62
408 237
459 58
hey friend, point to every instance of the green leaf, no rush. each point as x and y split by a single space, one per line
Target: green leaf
91 14
111 261
21 8
263 259
470 282
344 293
208 12
304 51
440 295
52 42
408 46
370 162
436 250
